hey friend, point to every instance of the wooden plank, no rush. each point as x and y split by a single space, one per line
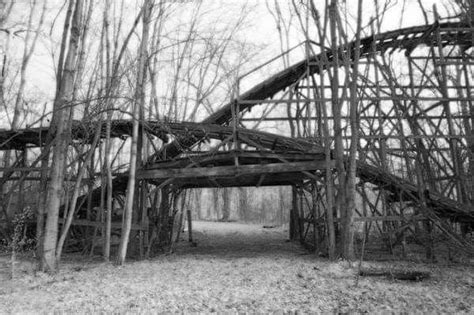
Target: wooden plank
115 225
361 117
389 218
22 169
394 218
225 171
363 98
277 179
227 158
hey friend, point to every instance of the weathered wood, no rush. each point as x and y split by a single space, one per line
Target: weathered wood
277 179
227 158
190 225
390 218
293 230
191 133
287 77
115 225
235 171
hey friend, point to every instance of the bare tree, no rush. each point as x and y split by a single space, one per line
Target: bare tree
348 224
28 50
61 129
139 102
5 11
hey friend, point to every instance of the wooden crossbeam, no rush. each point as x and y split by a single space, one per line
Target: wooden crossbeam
276 179
115 225
227 171
389 218
226 158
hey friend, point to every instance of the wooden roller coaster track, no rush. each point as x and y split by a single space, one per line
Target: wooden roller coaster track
188 134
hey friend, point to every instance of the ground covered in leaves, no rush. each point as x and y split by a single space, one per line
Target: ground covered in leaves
235 267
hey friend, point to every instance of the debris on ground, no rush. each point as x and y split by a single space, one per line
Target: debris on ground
237 268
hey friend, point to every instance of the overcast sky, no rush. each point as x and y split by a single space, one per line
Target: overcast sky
260 29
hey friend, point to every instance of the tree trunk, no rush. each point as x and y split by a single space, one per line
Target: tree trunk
243 204
61 131
348 224
226 205
139 102
197 202
215 199
336 108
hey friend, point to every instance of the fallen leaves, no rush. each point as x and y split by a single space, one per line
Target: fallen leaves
243 271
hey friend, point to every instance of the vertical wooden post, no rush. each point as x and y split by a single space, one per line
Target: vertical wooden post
300 214
143 218
21 187
154 223
41 206
109 199
294 214
163 212
365 213
443 79
314 200
469 127
323 62
190 225
99 211
235 109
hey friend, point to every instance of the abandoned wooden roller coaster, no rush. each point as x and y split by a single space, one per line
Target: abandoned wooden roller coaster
409 164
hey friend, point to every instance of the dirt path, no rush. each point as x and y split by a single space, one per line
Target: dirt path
234 268
236 240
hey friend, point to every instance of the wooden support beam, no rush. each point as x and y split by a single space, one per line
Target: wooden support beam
23 169
364 98
190 226
115 225
361 117
389 218
231 170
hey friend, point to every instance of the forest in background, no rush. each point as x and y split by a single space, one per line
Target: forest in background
265 205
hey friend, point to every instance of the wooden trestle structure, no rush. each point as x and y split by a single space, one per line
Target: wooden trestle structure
415 143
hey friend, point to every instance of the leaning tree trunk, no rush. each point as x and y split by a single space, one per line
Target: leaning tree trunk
139 102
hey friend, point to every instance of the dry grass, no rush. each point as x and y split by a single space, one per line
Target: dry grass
236 268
